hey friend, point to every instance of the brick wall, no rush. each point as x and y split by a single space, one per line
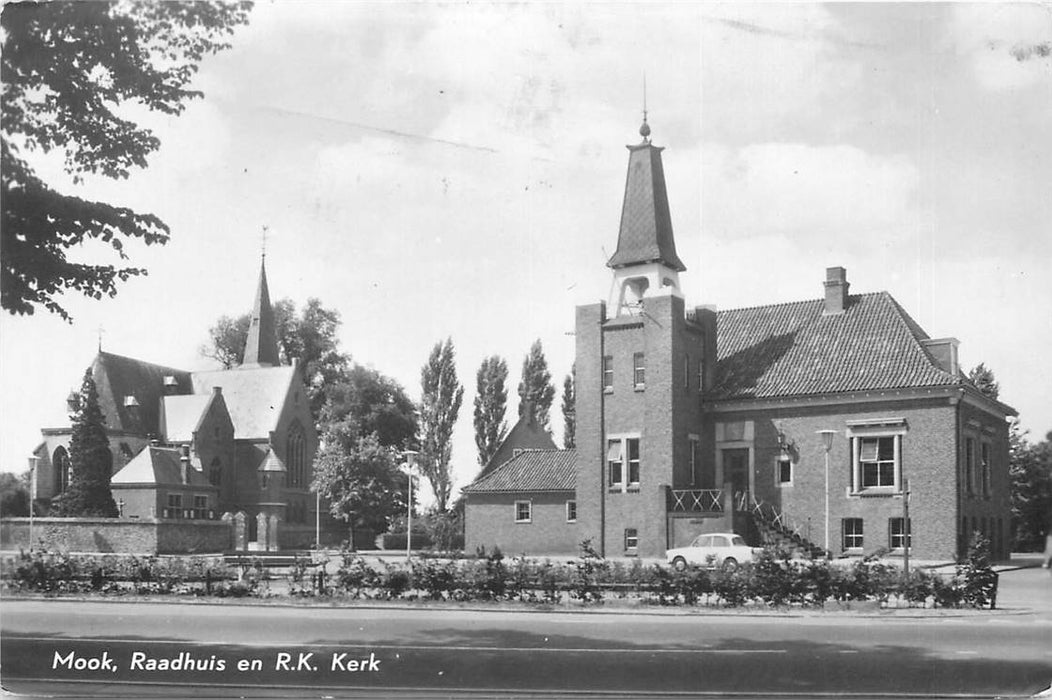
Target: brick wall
490 522
117 535
985 512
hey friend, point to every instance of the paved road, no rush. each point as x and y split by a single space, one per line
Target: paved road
363 650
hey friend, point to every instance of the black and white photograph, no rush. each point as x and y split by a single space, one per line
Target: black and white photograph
492 349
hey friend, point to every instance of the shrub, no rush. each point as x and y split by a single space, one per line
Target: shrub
978 580
435 579
589 568
394 580
354 576
733 586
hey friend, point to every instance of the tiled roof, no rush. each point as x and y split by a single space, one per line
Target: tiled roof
531 470
159 466
118 377
526 434
793 349
254 396
182 415
271 463
646 225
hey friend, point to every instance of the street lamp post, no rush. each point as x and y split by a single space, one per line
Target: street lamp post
32 494
827 443
410 460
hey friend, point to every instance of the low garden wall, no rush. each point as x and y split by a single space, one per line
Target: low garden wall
108 535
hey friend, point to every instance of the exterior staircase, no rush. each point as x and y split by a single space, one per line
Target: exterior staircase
777 528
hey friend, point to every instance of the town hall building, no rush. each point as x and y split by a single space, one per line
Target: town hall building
802 422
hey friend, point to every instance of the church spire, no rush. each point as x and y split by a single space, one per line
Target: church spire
645 262
261 347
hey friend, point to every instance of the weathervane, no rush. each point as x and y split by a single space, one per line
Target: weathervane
265 230
644 130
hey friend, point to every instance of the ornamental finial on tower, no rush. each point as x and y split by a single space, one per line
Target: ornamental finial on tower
644 130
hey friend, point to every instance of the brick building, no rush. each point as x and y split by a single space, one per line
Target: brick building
691 420
194 445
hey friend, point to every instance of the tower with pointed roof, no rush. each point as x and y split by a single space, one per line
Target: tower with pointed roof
261 346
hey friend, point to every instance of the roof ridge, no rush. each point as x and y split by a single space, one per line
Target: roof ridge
799 302
141 362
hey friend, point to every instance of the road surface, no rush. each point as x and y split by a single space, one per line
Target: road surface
134 649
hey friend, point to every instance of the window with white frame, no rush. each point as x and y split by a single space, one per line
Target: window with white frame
783 470
639 370
571 511
608 373
852 528
900 533
623 462
523 511
631 539
876 455
694 445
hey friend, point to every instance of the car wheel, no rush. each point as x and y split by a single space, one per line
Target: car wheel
730 564
679 564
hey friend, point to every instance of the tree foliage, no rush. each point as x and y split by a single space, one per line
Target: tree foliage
569 407
439 406
1030 472
14 496
67 69
366 402
360 479
536 388
88 494
491 399
983 379
308 335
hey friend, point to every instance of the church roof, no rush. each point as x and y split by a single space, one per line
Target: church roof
180 415
261 346
271 463
794 349
117 378
531 470
646 225
254 396
158 466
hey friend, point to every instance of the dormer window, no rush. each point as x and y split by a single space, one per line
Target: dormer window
131 402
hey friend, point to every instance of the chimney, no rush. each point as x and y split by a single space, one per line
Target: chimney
171 385
836 291
943 353
184 464
217 390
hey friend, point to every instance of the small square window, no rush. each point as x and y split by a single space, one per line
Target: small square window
852 533
571 511
639 371
784 471
523 511
898 536
631 539
608 373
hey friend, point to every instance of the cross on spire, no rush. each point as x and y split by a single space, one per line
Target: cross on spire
266 229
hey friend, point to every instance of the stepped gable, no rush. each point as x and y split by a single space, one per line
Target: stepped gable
531 470
795 349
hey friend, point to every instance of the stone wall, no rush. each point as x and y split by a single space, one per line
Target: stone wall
106 535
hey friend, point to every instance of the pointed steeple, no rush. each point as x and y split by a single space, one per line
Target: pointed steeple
646 225
261 347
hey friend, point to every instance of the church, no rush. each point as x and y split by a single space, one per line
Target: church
192 446
806 423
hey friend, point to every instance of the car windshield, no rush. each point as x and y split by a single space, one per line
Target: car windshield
737 541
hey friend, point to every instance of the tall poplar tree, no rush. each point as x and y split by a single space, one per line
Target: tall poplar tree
88 494
439 406
570 409
491 400
536 386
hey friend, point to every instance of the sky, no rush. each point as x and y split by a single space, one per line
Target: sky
456 170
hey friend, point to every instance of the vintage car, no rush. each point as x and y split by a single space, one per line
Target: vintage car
725 550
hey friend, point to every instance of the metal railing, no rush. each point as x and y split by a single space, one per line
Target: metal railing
748 502
695 500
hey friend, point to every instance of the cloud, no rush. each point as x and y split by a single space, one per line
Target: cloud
1003 42
809 192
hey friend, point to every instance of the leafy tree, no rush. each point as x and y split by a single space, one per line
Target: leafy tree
366 402
14 496
360 479
309 336
67 69
984 380
439 406
1030 472
88 494
570 409
536 386
491 399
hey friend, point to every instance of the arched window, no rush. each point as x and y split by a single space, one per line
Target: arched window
215 472
296 455
63 469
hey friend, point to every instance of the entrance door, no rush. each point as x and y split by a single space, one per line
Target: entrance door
736 469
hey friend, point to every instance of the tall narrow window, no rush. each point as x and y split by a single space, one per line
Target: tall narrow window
615 462
608 373
523 511
686 371
852 533
877 462
631 539
633 461
969 465
639 371
62 466
783 470
695 455
296 455
701 374
899 533
215 472
571 511
984 467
